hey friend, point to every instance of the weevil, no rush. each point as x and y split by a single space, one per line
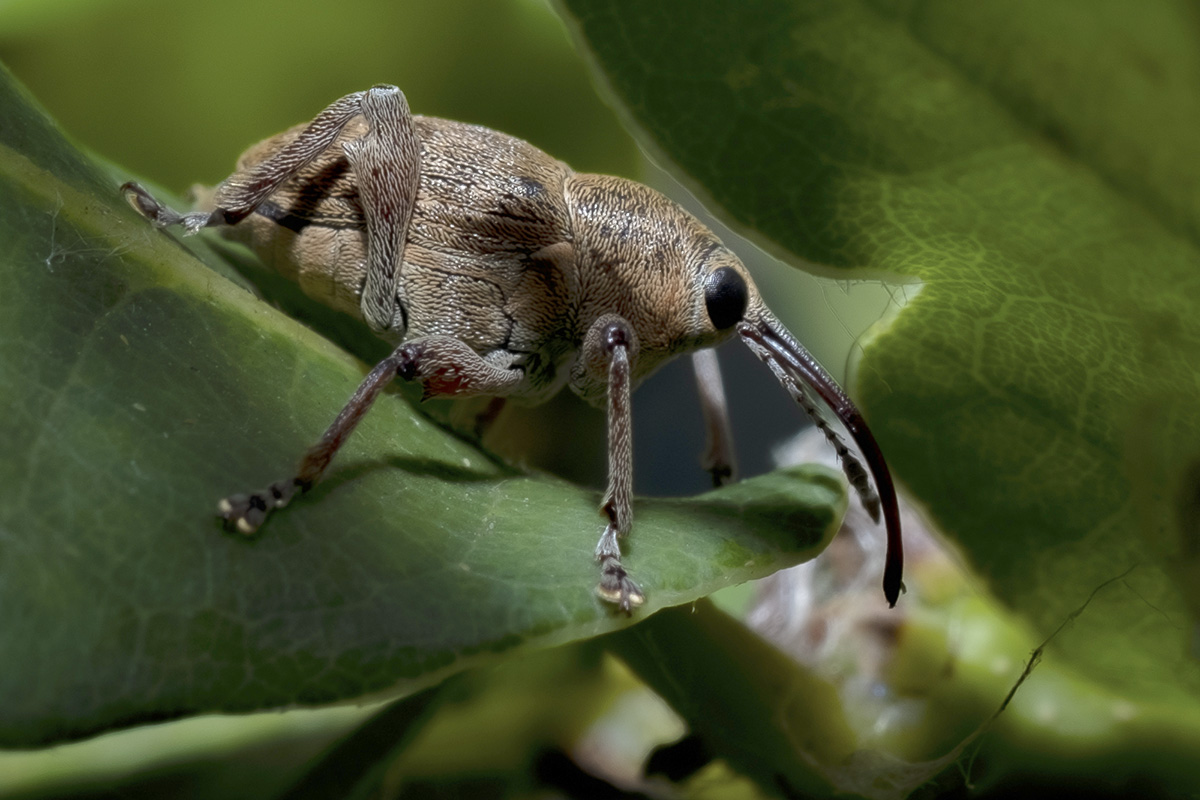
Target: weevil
494 269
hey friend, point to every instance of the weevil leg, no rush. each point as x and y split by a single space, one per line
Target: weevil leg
246 512
718 459
616 338
387 164
243 191
443 364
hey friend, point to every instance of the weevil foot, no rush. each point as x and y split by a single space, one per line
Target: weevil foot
722 474
617 587
163 217
145 204
246 513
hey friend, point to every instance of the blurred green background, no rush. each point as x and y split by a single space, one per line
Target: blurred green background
176 91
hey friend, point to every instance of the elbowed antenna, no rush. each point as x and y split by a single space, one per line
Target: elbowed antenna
796 369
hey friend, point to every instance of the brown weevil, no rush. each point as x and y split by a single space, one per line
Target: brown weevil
496 270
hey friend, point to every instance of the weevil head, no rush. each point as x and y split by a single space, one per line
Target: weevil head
643 257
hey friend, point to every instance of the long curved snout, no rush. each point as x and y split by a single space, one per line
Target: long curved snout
815 389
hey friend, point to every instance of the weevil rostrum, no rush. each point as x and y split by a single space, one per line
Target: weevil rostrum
496 270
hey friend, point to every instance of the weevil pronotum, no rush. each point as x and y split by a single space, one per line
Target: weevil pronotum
497 270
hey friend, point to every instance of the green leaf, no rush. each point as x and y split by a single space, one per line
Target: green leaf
749 700
138 386
1034 166
355 767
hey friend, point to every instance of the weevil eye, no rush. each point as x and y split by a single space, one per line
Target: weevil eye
725 297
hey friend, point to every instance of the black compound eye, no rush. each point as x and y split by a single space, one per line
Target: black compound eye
725 297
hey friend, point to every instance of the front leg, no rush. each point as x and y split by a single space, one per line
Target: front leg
615 341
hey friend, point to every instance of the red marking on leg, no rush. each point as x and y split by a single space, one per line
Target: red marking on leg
446 381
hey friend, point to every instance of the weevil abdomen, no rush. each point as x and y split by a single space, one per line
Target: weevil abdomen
487 257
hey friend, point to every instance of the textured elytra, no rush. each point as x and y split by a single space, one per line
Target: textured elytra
506 237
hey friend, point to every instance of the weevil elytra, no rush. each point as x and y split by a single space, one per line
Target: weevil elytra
496 270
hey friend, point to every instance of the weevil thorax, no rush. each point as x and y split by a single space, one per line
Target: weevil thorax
641 256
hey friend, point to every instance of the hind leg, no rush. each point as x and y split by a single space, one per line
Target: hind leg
243 191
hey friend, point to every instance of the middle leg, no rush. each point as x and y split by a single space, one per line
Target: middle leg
444 365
